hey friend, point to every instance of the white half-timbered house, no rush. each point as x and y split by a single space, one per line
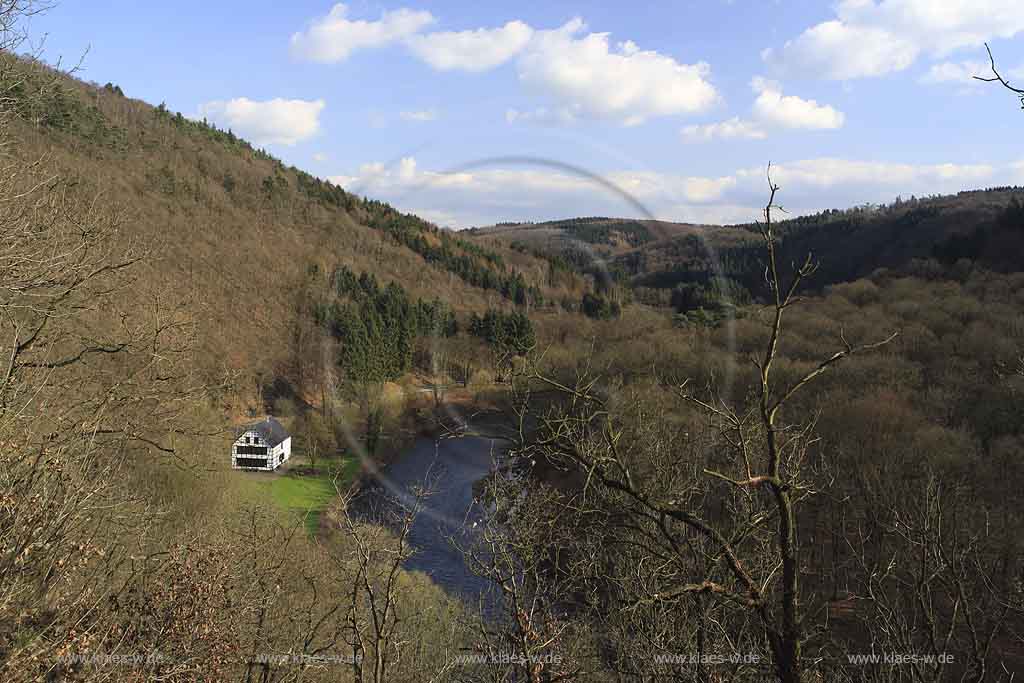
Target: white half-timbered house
263 445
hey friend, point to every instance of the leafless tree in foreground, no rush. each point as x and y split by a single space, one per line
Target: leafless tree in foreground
939 589
523 549
89 385
372 608
996 77
711 519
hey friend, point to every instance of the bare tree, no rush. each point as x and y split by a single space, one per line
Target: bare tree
719 533
390 634
938 588
996 77
88 385
534 632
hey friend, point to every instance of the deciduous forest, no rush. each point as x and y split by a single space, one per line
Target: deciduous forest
721 452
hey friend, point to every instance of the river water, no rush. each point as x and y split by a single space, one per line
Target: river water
448 469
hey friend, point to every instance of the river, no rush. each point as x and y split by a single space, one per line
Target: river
448 468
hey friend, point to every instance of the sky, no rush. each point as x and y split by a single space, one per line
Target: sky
471 113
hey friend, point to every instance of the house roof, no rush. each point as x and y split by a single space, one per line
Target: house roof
272 431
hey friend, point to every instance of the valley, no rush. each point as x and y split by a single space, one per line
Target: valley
724 452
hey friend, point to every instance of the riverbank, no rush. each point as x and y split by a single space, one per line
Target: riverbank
450 515
426 412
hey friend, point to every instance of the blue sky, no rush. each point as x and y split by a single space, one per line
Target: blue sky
680 104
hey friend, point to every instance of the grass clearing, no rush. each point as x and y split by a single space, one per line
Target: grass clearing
308 494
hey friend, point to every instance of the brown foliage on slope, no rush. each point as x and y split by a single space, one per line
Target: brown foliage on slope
233 231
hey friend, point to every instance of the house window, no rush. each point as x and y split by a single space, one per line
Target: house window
251 450
251 462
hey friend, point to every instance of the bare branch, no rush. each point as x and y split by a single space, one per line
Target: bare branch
998 78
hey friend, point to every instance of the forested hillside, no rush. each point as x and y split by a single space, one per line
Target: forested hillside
162 281
240 237
806 461
689 266
849 243
719 453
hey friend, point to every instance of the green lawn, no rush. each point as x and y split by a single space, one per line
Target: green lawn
309 494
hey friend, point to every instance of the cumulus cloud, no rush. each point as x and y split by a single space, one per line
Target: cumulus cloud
334 37
582 72
731 129
269 122
869 38
790 111
839 51
625 83
419 116
475 50
771 110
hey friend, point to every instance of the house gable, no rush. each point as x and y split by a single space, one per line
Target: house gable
264 445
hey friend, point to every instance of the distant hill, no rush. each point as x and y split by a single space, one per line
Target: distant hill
608 236
592 229
986 226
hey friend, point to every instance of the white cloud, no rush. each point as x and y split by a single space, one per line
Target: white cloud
790 111
771 110
406 175
734 128
713 214
649 185
828 172
419 116
626 83
540 115
346 181
957 77
960 73
869 38
583 74
277 121
477 50
334 37
407 169
440 217
1017 172
480 196
943 26
839 51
